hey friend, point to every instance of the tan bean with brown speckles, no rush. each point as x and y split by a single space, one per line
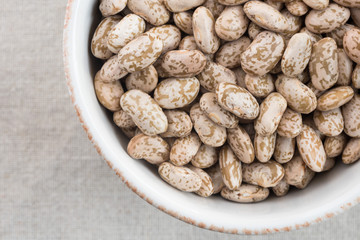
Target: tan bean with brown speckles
284 149
259 86
129 132
263 53
345 68
180 124
140 53
111 7
184 149
170 36
213 74
130 27
271 112
145 112
181 178
216 113
323 64
123 120
181 6
351 152
229 54
294 23
334 146
216 177
329 164
150 148
297 55
351 114
108 93
338 33
356 77
206 157
183 20
230 168
203 23
188 43
311 149
246 194
181 63
145 80
112 70
266 16
232 23
215 7
330 123
174 93
297 173
240 142
232 2
298 96
317 4
254 30
313 36
153 11
267 174
290 124
297 7
237 100
351 44
207 185
281 189
210 133
264 147
335 98
349 3
99 46
327 19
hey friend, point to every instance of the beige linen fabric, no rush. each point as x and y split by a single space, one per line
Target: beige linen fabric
53 184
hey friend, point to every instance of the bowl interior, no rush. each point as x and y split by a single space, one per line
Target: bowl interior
328 194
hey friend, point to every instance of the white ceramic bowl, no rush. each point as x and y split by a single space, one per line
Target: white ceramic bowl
327 195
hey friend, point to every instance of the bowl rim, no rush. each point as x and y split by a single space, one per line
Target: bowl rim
70 72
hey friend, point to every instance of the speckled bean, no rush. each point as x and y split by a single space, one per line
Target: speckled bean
351 44
297 173
267 174
184 149
232 23
335 98
281 189
179 124
284 149
240 142
330 123
311 149
145 112
237 100
204 30
206 157
351 152
181 63
327 19
181 178
230 168
123 120
210 133
216 113
263 53
298 96
334 146
264 147
181 6
259 86
207 185
145 80
213 74
174 93
351 114
246 194
153 11
229 54
216 177
183 20
271 112
150 148
323 66
130 27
